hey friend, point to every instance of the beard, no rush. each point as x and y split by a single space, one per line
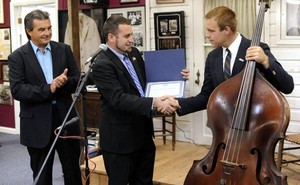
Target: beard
124 48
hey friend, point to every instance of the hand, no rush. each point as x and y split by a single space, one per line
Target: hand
173 102
166 105
185 74
59 81
257 54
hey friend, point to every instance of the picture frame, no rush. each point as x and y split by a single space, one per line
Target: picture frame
137 17
169 43
289 26
169 1
5 43
128 1
1 75
4 71
93 2
1 11
5 95
169 30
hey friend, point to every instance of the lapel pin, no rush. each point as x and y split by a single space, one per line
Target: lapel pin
240 59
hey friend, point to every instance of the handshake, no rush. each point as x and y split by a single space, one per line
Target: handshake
166 104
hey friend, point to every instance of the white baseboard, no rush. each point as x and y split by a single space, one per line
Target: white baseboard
9 130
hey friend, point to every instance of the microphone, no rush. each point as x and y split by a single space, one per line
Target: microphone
94 55
71 121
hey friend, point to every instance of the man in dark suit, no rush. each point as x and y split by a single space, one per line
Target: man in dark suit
126 128
221 25
43 74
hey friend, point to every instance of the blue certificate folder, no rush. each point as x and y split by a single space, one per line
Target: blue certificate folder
163 72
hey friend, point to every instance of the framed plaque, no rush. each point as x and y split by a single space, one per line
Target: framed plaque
5 45
169 30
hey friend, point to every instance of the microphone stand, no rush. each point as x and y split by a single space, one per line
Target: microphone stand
81 84
81 90
85 143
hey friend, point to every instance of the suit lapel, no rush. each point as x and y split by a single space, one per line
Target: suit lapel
120 65
33 62
55 59
240 60
218 65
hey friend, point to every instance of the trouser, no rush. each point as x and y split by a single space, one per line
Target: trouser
68 151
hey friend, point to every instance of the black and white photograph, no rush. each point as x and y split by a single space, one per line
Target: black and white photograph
5 95
5 69
164 26
173 25
138 39
135 17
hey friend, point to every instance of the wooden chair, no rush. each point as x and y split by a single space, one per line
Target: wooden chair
294 139
164 131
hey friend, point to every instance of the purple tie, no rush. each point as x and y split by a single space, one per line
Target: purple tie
133 75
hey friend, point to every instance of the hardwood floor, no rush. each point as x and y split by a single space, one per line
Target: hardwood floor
292 170
171 167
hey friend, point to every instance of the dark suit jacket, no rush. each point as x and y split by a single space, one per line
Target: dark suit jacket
29 86
213 76
126 120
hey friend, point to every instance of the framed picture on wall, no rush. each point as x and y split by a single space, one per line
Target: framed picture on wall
169 30
4 71
137 17
5 95
1 12
129 1
1 75
169 1
5 45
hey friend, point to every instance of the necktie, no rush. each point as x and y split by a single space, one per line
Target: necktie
227 65
133 75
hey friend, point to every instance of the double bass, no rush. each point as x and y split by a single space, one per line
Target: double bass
247 117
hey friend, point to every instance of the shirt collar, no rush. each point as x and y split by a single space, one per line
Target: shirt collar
119 55
235 45
35 48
